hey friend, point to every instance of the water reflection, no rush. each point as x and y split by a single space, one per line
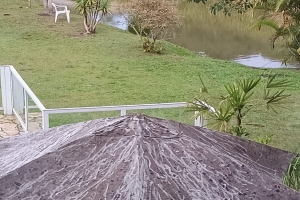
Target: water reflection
260 62
117 21
227 38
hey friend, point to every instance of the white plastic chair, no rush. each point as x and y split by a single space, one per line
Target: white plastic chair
61 9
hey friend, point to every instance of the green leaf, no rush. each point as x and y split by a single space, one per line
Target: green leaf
264 22
274 99
248 84
201 106
222 117
237 97
203 89
271 83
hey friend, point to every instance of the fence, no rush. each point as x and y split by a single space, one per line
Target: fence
16 96
122 109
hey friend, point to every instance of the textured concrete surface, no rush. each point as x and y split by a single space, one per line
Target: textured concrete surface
10 126
140 157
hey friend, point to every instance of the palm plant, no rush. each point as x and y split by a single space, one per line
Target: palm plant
93 11
238 101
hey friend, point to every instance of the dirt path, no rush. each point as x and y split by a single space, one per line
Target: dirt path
113 7
65 2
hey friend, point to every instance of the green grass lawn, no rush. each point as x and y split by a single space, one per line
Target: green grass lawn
66 68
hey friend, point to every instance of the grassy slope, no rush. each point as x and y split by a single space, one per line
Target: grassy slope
67 69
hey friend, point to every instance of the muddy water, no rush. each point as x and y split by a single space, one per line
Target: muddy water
227 38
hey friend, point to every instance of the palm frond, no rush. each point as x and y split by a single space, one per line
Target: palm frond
248 84
222 117
275 98
266 22
201 106
272 83
203 89
237 97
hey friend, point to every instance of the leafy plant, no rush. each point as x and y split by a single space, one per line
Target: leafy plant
93 11
149 46
238 101
292 175
239 131
151 20
229 6
266 139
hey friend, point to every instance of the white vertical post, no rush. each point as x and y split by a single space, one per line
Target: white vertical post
197 119
6 89
26 110
17 96
123 112
45 119
200 120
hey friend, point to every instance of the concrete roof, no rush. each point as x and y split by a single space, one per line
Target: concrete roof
139 157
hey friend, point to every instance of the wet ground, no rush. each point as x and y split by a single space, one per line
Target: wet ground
10 126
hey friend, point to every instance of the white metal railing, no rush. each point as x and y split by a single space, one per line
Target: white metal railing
122 108
16 93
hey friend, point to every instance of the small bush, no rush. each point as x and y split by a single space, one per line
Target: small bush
266 139
151 20
152 47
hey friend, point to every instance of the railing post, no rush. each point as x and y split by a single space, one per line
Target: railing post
45 119
197 119
26 110
200 120
123 112
6 89
17 96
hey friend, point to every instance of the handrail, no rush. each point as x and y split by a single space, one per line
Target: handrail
11 71
122 108
27 89
115 108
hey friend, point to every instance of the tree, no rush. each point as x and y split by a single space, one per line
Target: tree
29 3
93 11
48 6
238 101
151 20
229 6
284 17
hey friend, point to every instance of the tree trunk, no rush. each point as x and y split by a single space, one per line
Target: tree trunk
239 118
48 6
85 22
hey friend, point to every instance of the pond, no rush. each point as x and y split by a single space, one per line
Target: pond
221 37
